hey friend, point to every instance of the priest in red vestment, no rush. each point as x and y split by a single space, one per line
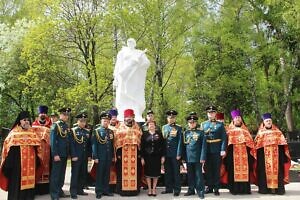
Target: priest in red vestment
21 163
128 164
273 158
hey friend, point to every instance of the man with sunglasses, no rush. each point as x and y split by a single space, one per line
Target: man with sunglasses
195 155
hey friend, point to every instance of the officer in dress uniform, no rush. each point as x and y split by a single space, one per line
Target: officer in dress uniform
103 152
80 153
59 141
216 145
150 117
195 156
172 133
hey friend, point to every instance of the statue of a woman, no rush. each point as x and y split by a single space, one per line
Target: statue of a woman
129 80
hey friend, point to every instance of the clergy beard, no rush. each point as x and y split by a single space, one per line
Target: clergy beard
42 118
25 126
129 122
269 127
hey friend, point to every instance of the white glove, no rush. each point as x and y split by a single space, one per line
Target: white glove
222 153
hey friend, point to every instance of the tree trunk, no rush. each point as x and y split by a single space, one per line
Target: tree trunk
95 114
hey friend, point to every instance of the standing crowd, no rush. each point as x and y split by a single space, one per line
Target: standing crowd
128 154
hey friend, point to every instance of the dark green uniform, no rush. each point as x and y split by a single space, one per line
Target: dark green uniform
195 150
59 141
103 151
215 135
172 133
80 146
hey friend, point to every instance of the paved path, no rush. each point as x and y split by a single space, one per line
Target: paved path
292 193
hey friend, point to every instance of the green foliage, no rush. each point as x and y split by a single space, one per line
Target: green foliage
234 54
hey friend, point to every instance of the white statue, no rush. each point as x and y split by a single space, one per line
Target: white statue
129 80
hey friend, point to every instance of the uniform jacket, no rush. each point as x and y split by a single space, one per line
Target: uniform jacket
195 145
80 144
172 133
59 139
215 135
102 143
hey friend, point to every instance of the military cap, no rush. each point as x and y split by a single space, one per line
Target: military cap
64 110
81 115
191 118
171 113
193 113
43 109
105 115
211 108
150 112
53 114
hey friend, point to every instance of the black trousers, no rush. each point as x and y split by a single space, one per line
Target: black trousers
102 177
195 177
172 175
57 179
212 171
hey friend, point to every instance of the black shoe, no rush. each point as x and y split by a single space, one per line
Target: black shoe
201 195
217 193
73 196
166 192
208 190
63 195
108 194
82 193
189 194
176 194
98 196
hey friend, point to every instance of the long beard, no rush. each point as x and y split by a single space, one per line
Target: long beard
129 123
25 126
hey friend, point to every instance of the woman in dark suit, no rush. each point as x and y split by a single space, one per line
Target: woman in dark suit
152 153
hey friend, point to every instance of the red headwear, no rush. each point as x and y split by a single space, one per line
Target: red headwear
128 113
220 116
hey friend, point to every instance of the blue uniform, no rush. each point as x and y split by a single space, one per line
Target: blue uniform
80 146
195 150
103 151
59 141
216 137
172 133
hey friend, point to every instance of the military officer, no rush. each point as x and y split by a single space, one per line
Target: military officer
150 117
195 156
59 141
103 152
172 133
216 145
80 153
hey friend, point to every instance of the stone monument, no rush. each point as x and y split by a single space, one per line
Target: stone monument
129 80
